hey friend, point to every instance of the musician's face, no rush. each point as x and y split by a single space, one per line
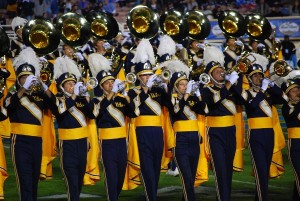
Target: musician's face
107 85
19 32
257 79
231 43
181 86
144 78
218 74
99 45
294 94
69 86
68 51
22 79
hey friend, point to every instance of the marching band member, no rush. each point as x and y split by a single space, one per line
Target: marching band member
17 44
258 102
195 52
184 108
232 51
148 101
4 74
221 128
73 106
290 112
25 110
111 110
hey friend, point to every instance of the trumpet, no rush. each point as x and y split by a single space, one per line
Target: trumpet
36 87
130 79
91 83
281 69
242 64
203 79
163 77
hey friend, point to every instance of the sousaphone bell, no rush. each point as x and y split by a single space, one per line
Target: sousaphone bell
174 24
258 27
199 25
74 29
102 25
232 23
41 35
142 22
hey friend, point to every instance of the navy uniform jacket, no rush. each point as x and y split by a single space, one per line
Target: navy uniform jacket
71 117
26 113
291 114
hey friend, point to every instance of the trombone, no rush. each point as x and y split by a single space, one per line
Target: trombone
242 64
281 69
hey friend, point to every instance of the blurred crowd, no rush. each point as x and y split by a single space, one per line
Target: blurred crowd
50 9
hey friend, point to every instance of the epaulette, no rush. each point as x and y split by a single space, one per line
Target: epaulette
137 89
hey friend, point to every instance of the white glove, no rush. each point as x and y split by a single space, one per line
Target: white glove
29 81
197 93
78 88
45 87
201 45
233 77
109 61
23 47
43 60
106 45
189 86
239 43
199 62
260 45
85 47
116 85
179 46
151 81
79 56
265 84
165 86
124 92
227 76
122 86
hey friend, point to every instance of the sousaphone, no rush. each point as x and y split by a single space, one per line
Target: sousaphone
258 27
142 22
102 25
199 25
74 29
232 23
41 35
174 24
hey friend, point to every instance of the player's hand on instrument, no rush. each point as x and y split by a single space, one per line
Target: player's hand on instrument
189 86
151 80
29 81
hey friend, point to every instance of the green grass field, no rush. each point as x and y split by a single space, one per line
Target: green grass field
280 189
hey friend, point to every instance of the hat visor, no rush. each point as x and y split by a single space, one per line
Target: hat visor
106 78
25 73
145 72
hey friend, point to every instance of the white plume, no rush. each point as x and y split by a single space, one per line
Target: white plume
144 53
259 59
212 53
64 65
177 66
166 46
98 62
18 21
29 56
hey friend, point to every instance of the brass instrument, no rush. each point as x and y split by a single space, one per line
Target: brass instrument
199 25
258 27
242 64
74 29
46 73
232 23
91 83
204 79
103 25
163 77
41 35
174 24
36 87
142 22
281 69
130 78
4 48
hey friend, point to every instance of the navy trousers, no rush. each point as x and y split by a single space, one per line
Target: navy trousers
73 156
114 158
150 145
186 156
261 145
294 156
26 152
222 144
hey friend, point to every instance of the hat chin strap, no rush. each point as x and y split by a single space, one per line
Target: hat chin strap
65 93
178 92
141 82
216 82
254 85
